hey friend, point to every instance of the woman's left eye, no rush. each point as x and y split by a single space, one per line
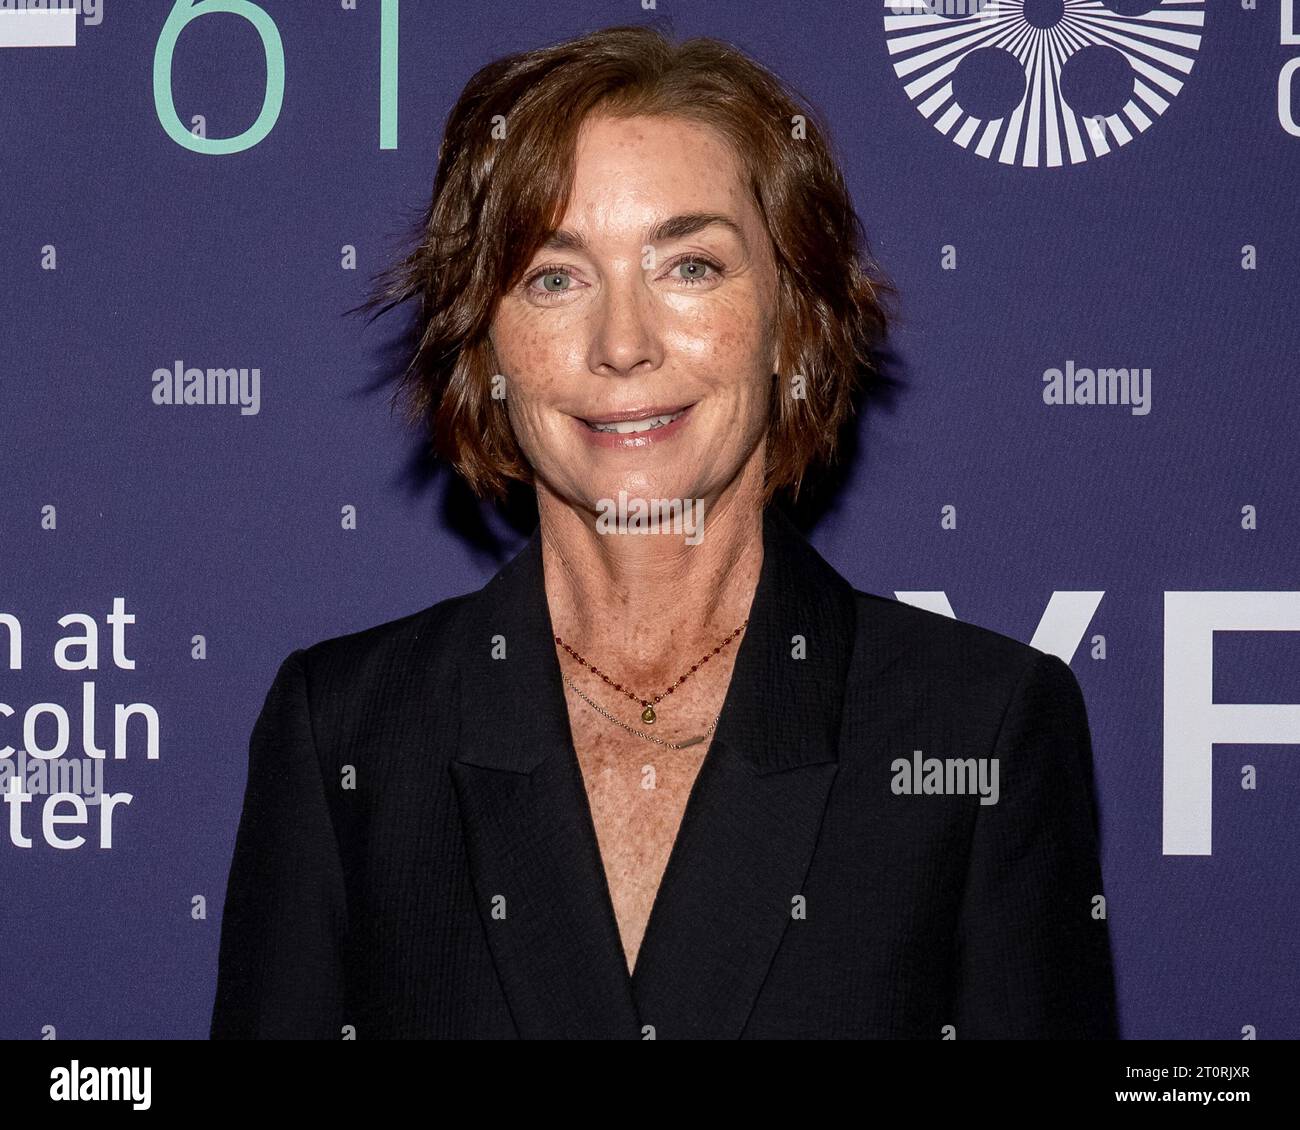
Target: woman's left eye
697 266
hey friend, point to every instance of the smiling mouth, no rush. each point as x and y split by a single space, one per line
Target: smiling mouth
632 427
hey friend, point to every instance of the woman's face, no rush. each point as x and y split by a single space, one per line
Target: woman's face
646 302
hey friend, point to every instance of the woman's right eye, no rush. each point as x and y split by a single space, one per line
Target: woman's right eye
554 280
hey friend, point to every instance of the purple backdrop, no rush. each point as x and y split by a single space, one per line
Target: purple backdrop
124 251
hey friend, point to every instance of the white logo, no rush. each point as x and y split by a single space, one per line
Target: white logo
1027 67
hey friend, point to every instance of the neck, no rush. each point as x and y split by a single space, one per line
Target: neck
651 604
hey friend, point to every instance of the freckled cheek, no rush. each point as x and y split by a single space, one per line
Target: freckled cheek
738 363
536 396
532 404
734 351
537 428
534 376
537 360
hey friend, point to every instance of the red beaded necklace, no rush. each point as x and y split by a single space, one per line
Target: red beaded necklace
648 714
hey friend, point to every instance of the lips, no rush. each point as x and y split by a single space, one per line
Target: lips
638 431
635 422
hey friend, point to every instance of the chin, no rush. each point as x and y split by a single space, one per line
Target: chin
646 482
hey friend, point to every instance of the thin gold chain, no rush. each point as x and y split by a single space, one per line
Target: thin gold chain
640 734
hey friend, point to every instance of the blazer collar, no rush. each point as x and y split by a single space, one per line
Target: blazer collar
746 837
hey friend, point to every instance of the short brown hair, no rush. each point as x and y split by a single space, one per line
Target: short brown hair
500 192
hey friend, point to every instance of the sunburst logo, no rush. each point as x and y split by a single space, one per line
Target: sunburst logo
1043 82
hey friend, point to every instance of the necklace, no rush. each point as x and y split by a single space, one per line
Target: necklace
640 734
648 714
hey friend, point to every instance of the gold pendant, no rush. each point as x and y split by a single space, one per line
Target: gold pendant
648 714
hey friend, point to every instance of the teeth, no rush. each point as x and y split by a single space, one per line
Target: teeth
631 427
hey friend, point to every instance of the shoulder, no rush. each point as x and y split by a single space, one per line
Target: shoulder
934 635
364 691
387 655
948 665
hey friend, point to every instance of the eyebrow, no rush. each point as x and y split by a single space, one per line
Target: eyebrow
675 227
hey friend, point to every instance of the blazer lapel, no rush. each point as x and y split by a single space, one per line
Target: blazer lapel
751 823
747 834
531 842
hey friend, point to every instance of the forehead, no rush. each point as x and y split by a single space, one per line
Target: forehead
631 172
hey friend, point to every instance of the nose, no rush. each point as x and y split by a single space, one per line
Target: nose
626 338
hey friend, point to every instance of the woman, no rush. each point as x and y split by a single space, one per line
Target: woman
658 784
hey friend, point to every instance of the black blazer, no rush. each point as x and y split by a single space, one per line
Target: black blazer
405 788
